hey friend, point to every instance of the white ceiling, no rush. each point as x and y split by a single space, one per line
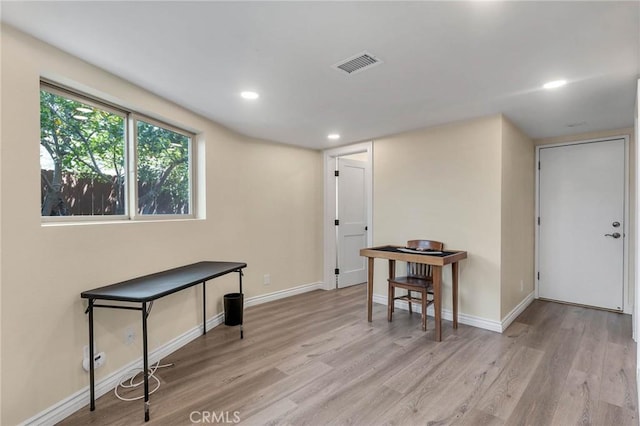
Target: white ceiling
443 62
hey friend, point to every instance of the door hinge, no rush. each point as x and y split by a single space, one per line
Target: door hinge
336 271
538 275
336 222
538 220
538 165
336 173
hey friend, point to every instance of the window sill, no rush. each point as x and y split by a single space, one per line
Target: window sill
63 223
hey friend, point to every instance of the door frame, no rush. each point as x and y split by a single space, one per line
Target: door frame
628 303
329 228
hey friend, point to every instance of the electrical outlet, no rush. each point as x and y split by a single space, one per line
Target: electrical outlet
521 285
267 279
129 336
98 361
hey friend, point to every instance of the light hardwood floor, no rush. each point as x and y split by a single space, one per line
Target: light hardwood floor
313 359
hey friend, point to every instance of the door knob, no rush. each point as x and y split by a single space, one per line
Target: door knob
614 235
615 224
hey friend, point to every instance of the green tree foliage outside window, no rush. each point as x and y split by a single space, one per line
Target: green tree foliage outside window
163 170
83 167
82 158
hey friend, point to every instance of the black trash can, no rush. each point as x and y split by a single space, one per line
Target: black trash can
233 308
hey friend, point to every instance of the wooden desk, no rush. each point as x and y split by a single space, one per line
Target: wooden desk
145 290
436 261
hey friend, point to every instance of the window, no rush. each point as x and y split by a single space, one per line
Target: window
163 170
82 158
99 161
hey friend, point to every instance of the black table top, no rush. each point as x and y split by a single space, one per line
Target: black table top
160 284
395 249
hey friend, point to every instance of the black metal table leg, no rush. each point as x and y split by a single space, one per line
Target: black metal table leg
145 361
242 301
91 357
204 307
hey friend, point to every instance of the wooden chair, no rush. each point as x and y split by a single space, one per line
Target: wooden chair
419 279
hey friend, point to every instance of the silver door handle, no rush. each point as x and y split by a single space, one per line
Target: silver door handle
614 235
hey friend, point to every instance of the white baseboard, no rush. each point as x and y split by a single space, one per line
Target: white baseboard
471 320
638 381
264 298
80 399
511 316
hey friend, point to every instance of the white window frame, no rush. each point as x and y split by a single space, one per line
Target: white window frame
130 161
133 168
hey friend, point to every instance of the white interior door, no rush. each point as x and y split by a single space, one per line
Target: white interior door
581 231
352 216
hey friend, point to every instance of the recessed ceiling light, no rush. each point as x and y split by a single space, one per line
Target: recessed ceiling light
84 109
333 136
80 117
250 95
554 84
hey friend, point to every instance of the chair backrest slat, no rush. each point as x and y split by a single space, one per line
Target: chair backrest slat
420 270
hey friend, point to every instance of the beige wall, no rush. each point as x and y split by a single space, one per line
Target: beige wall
360 156
261 200
636 258
443 183
1 180
631 222
518 208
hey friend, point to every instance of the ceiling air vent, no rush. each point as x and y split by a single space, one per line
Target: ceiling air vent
358 63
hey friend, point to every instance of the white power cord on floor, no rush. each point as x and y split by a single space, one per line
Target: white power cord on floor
129 377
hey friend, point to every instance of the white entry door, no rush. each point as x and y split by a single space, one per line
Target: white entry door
581 230
352 221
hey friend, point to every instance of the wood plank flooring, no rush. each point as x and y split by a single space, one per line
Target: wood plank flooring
313 359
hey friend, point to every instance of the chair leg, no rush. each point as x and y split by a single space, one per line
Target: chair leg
424 311
390 302
409 300
392 292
